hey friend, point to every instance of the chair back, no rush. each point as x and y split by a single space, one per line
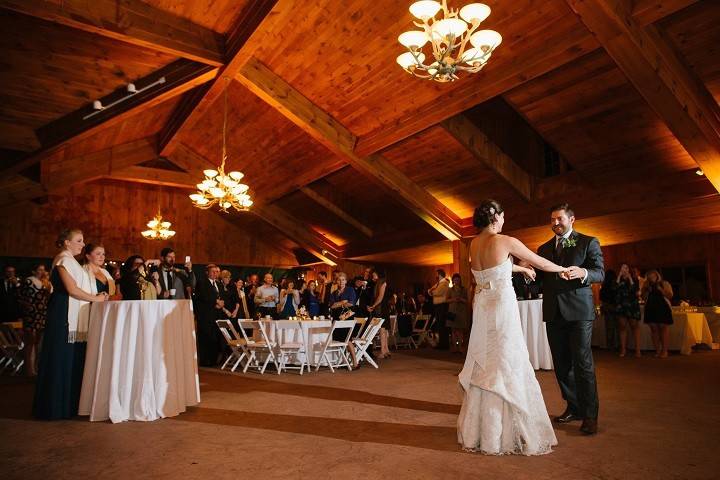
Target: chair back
372 330
421 323
228 331
284 327
340 324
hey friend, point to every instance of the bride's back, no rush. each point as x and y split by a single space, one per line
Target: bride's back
488 251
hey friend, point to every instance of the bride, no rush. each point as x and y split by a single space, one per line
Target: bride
503 411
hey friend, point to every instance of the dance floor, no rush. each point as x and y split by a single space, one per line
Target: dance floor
658 419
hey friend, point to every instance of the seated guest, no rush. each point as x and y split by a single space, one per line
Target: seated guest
94 262
406 304
33 298
135 283
175 283
267 297
658 313
424 306
9 309
209 308
289 300
310 300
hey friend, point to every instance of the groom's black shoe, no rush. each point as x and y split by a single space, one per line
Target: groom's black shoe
589 426
567 417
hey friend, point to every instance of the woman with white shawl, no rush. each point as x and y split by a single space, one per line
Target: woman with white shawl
62 359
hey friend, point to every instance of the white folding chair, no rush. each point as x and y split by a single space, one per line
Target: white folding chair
237 345
11 347
339 348
291 342
393 330
256 345
420 329
361 321
362 344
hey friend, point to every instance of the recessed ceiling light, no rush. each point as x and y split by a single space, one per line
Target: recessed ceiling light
699 172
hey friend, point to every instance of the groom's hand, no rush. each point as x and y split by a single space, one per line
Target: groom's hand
575 273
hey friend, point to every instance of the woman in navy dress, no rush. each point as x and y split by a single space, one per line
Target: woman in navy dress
310 299
62 358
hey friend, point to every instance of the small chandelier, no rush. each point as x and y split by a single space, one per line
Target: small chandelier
449 39
158 230
220 188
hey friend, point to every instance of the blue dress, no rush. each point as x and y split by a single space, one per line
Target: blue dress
289 308
61 364
312 303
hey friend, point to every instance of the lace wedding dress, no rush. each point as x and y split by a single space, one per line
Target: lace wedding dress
503 411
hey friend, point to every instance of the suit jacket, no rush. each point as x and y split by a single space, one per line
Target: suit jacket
573 299
205 300
9 306
181 279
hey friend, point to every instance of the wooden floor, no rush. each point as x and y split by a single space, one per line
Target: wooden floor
658 419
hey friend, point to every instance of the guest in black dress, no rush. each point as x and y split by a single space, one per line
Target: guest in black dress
658 313
379 309
62 358
627 304
33 297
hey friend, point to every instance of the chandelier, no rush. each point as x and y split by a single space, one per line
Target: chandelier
219 188
157 229
448 38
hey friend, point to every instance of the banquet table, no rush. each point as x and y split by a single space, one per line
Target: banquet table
688 329
533 327
141 362
712 314
315 333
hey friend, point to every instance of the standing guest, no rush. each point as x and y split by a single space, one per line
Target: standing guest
242 308
135 283
310 299
209 308
228 295
175 283
378 309
439 293
266 297
335 281
33 297
457 316
637 275
343 299
627 309
609 309
393 304
251 286
323 289
93 261
62 357
9 308
289 300
658 313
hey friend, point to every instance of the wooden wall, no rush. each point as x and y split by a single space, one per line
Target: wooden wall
674 251
114 214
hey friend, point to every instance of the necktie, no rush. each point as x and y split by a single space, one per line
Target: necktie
558 249
169 282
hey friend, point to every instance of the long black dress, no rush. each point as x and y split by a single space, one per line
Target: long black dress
60 369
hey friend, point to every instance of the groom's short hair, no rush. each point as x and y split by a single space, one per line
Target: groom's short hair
563 206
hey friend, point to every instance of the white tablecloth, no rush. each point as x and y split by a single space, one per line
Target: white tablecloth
141 362
315 333
712 314
533 328
687 330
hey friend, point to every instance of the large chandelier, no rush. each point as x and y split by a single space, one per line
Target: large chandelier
158 229
219 188
449 39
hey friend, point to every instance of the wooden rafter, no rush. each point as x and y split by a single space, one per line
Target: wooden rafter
477 143
654 68
326 130
244 40
338 211
131 21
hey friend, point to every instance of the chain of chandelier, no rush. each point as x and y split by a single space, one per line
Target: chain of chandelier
448 38
219 188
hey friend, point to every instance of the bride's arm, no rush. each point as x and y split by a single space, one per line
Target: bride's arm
519 250
527 272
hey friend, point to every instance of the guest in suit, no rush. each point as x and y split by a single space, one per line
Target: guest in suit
569 311
33 298
323 288
251 286
658 313
209 308
439 293
266 298
627 308
9 308
175 283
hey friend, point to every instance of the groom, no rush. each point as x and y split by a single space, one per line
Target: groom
569 311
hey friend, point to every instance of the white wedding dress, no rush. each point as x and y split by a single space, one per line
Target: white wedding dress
503 411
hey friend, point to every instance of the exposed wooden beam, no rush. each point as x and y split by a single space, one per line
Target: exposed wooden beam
657 72
313 242
58 171
390 241
326 130
331 206
18 188
131 21
154 176
477 143
244 40
179 77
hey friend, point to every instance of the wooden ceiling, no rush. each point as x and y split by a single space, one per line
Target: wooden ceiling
347 154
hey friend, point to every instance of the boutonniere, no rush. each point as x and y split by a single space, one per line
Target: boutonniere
569 242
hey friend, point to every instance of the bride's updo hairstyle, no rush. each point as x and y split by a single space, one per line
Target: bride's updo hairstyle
485 214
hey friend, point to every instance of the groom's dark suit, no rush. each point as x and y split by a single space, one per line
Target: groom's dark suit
569 311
